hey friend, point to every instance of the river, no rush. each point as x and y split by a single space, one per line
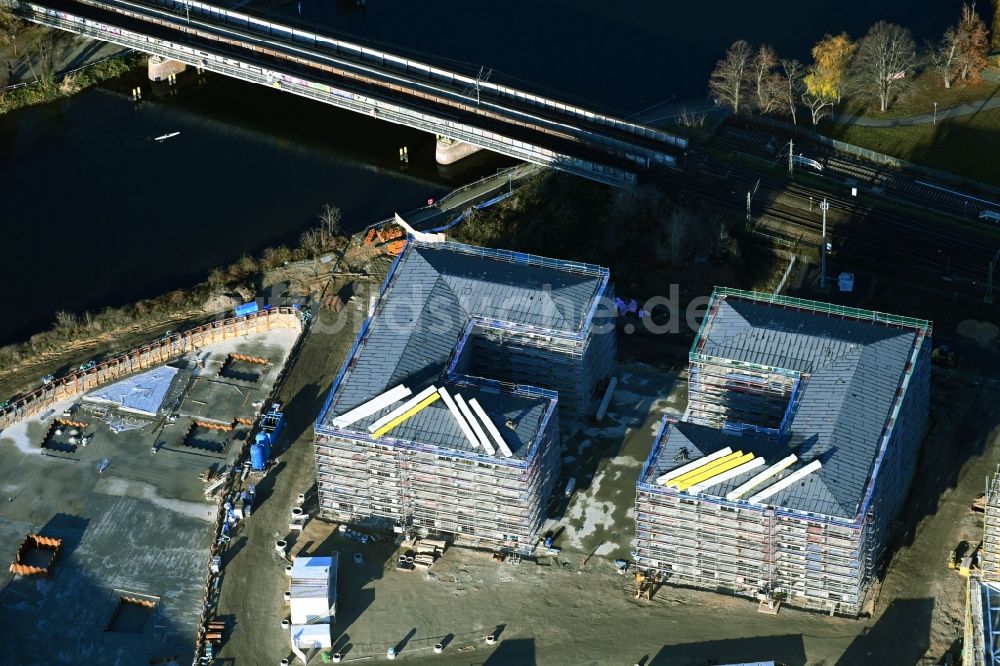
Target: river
96 212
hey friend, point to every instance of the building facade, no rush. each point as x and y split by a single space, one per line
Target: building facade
446 415
796 453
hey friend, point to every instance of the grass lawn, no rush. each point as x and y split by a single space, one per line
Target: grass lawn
965 146
927 88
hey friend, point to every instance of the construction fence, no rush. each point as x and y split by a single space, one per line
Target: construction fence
876 157
145 357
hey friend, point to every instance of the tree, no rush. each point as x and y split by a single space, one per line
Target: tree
767 83
885 56
728 80
943 55
972 45
329 221
9 25
996 24
312 241
791 86
831 58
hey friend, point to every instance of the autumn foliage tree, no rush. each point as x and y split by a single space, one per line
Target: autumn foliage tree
996 24
825 79
973 46
885 58
729 78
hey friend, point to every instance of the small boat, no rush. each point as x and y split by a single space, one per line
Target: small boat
166 136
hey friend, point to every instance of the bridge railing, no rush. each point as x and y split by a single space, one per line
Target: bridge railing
410 66
331 95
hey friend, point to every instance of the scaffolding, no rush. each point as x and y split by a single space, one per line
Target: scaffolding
803 557
708 542
417 487
991 530
391 480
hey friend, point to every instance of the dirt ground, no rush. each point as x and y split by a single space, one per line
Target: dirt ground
130 509
574 608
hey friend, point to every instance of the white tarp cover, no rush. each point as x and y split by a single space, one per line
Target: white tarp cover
305 636
142 393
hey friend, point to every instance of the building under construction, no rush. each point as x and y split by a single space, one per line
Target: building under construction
981 639
446 415
795 454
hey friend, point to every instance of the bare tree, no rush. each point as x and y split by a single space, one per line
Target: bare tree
728 81
943 55
885 57
330 223
767 83
791 88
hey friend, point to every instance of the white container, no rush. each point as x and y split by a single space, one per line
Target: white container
438 648
280 545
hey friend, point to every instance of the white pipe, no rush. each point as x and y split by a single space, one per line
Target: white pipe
725 476
684 469
746 487
483 439
453 408
402 409
491 427
787 481
375 404
607 398
419 235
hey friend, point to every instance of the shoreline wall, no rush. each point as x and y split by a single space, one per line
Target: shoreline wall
147 356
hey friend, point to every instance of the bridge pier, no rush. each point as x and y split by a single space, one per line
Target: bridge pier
158 68
449 151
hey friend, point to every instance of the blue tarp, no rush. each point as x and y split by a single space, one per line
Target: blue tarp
246 309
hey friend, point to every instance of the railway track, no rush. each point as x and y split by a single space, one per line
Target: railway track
617 147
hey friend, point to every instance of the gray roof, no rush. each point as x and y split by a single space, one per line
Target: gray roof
433 293
685 442
851 372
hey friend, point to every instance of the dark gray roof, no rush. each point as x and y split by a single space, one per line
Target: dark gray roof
851 372
696 441
433 293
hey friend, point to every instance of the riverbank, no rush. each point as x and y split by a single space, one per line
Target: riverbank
69 83
41 65
280 275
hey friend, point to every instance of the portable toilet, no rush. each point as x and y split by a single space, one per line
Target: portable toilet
257 458
264 440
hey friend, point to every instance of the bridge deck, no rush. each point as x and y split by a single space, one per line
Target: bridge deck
213 43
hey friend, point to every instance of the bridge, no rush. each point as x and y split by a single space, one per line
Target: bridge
371 81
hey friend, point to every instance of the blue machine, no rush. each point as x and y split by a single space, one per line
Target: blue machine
264 441
273 422
257 458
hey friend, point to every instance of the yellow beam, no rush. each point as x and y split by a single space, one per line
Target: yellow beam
718 469
709 465
405 415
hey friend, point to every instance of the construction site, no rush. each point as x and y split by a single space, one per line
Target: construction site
794 455
448 412
113 480
981 565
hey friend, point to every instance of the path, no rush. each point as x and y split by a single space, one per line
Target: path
72 53
957 111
